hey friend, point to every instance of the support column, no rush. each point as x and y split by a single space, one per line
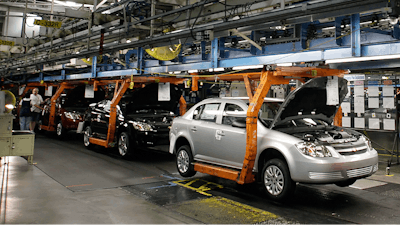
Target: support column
94 66
214 53
338 30
140 60
355 35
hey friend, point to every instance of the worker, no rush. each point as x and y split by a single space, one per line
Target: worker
25 112
36 101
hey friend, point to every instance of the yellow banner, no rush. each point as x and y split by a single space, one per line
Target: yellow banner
10 43
47 23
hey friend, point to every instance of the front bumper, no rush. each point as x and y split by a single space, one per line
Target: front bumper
331 170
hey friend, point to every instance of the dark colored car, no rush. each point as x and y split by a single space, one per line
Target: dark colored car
143 121
70 108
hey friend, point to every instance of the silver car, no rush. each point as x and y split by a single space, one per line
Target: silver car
296 139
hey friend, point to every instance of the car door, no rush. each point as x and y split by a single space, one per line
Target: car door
230 141
100 117
202 130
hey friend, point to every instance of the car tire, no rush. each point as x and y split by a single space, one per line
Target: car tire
60 130
124 145
184 161
86 135
345 183
276 179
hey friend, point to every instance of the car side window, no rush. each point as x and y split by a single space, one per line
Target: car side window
207 112
230 108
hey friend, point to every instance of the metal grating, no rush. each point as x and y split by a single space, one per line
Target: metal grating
320 176
359 172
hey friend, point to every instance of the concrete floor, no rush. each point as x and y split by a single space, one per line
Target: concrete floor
62 189
31 196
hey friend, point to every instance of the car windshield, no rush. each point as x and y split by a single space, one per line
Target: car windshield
75 98
268 112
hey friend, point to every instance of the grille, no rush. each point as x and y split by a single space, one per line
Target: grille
353 153
353 150
359 172
321 176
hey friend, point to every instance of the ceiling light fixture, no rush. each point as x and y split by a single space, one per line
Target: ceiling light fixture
247 67
360 59
284 64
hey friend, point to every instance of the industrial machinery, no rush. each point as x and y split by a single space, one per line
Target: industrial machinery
13 142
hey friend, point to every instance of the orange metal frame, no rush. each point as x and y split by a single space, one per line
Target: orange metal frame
119 92
63 86
281 75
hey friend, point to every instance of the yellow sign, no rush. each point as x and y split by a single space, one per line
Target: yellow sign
47 23
10 43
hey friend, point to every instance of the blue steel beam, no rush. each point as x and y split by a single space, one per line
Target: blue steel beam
355 35
214 53
338 30
94 66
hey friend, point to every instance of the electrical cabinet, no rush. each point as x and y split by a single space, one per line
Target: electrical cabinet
15 143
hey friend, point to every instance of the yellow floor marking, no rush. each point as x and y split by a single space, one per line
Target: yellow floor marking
79 185
202 189
218 210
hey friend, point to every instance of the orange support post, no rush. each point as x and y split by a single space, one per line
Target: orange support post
182 106
195 82
337 121
113 110
52 116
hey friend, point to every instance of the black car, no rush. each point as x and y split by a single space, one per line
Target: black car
143 121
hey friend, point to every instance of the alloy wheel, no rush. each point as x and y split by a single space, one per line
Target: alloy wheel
274 180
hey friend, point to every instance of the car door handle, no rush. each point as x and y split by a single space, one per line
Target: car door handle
194 128
221 133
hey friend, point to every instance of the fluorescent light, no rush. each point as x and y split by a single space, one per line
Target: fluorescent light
216 69
360 59
177 72
284 64
193 71
247 67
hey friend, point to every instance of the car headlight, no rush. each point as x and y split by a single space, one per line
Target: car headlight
142 126
368 143
72 116
313 150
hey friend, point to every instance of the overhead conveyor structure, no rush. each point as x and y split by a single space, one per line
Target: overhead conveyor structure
267 78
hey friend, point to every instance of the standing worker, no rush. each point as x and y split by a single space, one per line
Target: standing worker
25 112
36 101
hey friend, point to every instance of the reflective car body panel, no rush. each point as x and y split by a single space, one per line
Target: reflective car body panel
70 107
139 113
215 140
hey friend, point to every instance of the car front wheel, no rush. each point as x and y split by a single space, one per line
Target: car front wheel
276 179
124 145
86 135
60 130
184 161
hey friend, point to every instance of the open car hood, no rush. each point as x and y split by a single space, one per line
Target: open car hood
310 100
148 97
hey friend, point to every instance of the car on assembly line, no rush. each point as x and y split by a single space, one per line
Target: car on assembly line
70 108
143 119
296 141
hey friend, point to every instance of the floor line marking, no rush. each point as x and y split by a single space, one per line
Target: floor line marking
78 185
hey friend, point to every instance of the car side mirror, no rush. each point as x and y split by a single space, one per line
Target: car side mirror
239 122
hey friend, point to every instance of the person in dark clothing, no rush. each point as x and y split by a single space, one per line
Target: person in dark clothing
25 112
